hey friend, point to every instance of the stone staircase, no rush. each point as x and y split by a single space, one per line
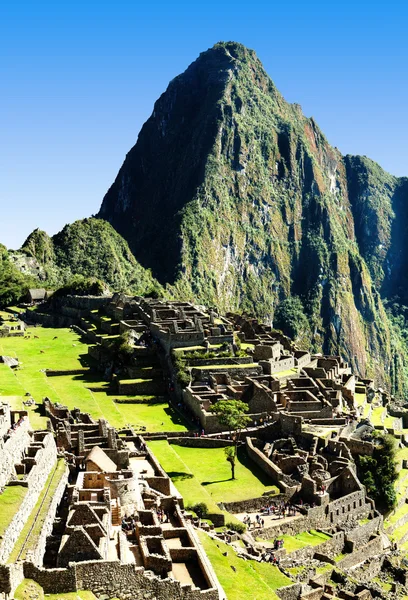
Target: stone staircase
116 517
313 447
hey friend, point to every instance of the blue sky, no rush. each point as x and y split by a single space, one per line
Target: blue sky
78 79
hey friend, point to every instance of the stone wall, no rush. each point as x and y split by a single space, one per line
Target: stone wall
358 447
240 373
264 463
38 553
334 546
197 362
251 505
10 578
53 581
353 504
361 535
200 442
372 548
11 451
115 580
289 592
45 461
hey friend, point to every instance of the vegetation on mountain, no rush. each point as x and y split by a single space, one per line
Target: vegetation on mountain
89 248
81 286
291 319
254 210
13 284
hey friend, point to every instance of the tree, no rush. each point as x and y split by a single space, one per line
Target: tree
379 473
290 317
231 413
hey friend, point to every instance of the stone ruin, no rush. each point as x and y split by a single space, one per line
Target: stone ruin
116 521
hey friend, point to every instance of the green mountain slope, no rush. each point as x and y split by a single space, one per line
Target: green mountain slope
232 196
92 248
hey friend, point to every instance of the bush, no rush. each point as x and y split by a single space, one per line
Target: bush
183 378
200 509
238 527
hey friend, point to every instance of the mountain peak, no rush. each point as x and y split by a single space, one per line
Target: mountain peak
235 198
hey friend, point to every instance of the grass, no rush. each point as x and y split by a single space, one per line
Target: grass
203 474
291 543
29 589
195 348
360 399
386 586
399 533
31 531
35 412
68 352
339 557
285 373
250 579
10 501
399 513
245 366
376 416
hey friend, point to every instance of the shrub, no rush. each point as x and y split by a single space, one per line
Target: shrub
183 378
200 509
238 527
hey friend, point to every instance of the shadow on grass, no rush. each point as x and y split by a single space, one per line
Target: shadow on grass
218 481
243 458
175 417
179 475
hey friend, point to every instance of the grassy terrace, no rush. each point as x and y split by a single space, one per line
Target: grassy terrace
399 513
29 590
221 366
360 399
195 348
10 501
203 474
376 416
68 352
286 373
303 540
250 579
31 531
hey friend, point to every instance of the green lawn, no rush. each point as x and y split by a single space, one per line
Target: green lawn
10 501
399 513
31 531
29 589
195 348
203 474
65 353
285 373
291 543
35 412
359 399
221 366
250 579
376 416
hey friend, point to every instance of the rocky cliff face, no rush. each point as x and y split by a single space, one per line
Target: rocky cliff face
233 197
